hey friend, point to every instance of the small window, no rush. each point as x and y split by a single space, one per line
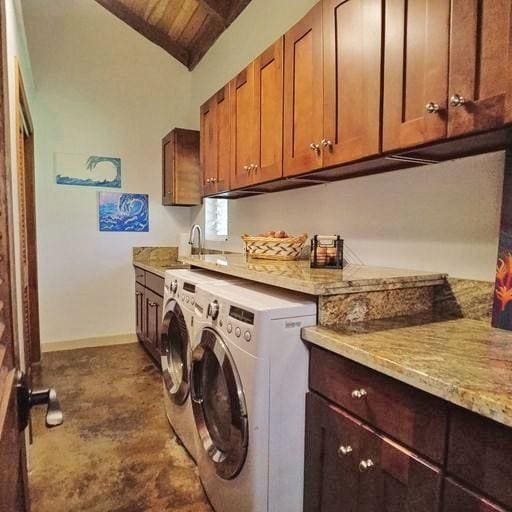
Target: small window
216 219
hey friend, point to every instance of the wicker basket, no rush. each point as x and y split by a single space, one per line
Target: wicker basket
268 248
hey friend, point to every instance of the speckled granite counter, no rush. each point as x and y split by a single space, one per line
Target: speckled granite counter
159 270
298 276
465 362
157 259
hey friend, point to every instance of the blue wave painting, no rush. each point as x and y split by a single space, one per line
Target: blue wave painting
123 212
92 171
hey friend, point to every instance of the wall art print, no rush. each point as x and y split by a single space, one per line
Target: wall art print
502 306
87 171
123 212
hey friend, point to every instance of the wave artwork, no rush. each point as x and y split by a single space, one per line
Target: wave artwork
123 212
87 171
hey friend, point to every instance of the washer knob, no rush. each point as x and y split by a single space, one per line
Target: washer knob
247 336
187 299
238 332
192 301
174 286
230 328
213 310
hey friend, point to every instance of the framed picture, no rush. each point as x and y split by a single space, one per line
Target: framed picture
123 212
87 170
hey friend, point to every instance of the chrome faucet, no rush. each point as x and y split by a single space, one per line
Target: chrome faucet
193 229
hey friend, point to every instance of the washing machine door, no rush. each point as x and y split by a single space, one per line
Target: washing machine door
219 405
176 353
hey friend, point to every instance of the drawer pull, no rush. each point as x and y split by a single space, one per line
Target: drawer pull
344 450
359 393
366 465
138 294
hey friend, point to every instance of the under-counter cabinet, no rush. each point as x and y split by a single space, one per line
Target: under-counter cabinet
215 151
181 170
376 444
149 291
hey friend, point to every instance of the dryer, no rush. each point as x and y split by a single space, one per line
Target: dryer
249 382
176 344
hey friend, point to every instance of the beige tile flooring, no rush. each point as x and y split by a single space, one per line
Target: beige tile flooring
114 452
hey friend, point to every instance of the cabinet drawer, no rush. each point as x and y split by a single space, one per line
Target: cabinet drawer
480 453
459 499
155 283
140 276
414 418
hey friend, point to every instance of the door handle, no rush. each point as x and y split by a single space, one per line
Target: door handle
28 398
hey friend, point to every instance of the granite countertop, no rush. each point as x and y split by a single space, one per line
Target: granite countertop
298 276
159 270
463 361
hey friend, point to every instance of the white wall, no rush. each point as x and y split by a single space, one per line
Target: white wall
101 89
437 218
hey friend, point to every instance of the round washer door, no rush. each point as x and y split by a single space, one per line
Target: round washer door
219 405
176 353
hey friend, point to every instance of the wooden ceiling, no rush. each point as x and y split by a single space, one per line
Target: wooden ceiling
184 28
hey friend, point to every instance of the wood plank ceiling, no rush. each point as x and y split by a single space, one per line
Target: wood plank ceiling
184 28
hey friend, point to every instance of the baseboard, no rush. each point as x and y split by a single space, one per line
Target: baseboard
105 341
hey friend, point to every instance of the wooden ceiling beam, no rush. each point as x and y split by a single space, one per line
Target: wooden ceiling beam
148 31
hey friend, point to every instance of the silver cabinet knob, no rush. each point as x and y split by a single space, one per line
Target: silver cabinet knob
213 180
247 168
366 465
344 450
457 100
254 167
432 108
327 143
208 180
315 147
359 393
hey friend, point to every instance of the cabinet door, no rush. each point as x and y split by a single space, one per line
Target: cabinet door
332 446
394 479
185 171
480 65
303 95
223 139
243 127
268 70
168 169
208 153
415 72
139 310
459 499
153 312
352 53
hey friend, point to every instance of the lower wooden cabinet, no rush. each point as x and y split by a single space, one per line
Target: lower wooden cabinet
351 467
459 499
148 311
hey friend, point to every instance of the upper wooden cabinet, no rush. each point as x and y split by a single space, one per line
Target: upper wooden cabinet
216 142
352 57
480 87
415 72
243 127
303 93
181 172
268 140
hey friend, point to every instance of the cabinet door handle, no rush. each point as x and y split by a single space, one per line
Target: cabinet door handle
208 180
326 143
359 393
152 304
344 450
366 465
213 180
432 108
457 100
315 147
254 167
138 294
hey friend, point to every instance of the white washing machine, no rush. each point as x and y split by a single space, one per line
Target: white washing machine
176 344
249 384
